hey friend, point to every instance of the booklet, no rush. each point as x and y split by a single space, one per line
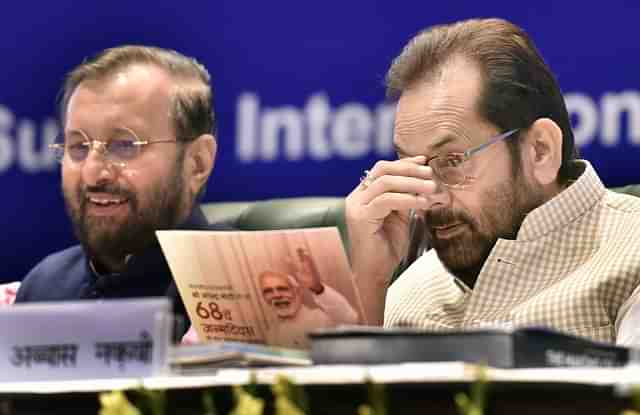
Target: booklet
517 348
265 287
200 358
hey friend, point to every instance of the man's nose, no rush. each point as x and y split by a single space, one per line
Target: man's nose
96 166
439 198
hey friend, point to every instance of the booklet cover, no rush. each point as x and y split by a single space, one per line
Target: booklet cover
517 348
265 287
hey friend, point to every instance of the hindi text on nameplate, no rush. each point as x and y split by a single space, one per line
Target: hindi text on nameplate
84 339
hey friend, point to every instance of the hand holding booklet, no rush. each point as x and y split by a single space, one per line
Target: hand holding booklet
264 287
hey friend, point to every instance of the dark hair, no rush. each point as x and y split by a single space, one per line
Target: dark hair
518 85
192 100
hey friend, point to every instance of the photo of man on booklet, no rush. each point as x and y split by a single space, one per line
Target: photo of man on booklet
300 300
265 287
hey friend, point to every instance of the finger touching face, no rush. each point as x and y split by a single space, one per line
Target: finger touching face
399 185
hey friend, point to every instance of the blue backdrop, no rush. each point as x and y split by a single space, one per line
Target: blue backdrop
299 91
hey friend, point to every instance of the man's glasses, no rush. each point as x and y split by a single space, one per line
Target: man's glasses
453 169
122 148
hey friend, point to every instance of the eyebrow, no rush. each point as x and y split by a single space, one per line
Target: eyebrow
112 130
435 145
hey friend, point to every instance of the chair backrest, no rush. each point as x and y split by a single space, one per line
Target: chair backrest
632 189
287 213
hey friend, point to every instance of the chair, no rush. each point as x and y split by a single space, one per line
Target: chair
632 189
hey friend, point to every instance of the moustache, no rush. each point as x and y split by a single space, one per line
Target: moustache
442 217
106 188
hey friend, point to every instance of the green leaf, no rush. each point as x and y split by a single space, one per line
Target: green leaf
377 398
116 403
246 404
474 405
157 400
290 399
208 403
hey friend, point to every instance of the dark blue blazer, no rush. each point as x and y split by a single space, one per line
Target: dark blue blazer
67 275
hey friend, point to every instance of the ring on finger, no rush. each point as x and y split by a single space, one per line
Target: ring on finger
366 179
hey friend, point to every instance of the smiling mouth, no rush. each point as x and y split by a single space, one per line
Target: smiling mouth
105 204
281 304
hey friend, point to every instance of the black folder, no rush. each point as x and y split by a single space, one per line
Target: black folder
518 348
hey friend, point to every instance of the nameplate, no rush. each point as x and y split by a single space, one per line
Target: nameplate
84 339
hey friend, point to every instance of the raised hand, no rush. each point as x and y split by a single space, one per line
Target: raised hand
377 214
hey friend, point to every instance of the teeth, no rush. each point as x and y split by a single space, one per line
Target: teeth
105 202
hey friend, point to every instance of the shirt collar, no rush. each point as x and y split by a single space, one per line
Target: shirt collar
570 204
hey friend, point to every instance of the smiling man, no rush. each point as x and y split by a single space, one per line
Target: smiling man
136 153
301 302
282 292
523 232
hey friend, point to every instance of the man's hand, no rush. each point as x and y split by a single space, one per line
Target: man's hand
191 337
377 214
309 275
305 271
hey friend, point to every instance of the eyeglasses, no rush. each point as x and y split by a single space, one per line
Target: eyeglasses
122 148
453 169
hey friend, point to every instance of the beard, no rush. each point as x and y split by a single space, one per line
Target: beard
503 209
110 239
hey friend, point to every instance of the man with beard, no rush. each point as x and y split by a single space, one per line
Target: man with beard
136 151
523 232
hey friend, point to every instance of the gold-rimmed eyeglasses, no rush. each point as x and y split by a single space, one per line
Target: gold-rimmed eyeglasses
121 148
453 169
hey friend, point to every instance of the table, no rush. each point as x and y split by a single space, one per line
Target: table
425 388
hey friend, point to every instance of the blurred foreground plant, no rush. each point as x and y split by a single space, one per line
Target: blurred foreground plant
289 398
476 404
208 403
377 400
116 403
635 401
152 401
246 402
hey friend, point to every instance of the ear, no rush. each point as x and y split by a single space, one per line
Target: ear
199 161
543 150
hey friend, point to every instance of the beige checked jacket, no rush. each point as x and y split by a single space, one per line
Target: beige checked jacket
575 266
